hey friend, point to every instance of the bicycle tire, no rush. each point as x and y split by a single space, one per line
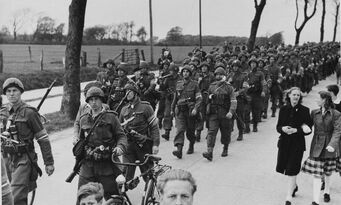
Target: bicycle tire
149 196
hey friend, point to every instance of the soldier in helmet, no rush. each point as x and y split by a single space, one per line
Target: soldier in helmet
169 88
185 107
117 93
143 132
107 137
238 80
275 88
262 68
164 71
244 64
21 124
256 92
147 83
222 105
204 80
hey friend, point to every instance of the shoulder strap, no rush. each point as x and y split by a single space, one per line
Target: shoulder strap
94 126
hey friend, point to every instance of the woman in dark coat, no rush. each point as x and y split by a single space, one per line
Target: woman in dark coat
294 122
324 149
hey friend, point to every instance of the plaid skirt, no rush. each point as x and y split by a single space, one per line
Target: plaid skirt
320 167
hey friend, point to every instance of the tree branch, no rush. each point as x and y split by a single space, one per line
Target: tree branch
256 4
312 14
297 13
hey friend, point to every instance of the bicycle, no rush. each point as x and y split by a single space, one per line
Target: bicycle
151 194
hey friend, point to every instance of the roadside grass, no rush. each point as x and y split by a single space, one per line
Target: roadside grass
57 121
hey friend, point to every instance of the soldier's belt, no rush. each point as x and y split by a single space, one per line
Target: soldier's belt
15 148
99 153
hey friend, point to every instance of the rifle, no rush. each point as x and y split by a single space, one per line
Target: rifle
46 94
121 102
78 151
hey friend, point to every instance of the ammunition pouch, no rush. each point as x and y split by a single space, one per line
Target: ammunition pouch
11 148
219 101
96 154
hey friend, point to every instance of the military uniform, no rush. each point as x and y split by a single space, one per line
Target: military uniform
147 84
266 98
222 101
275 88
117 94
107 135
145 124
187 98
21 170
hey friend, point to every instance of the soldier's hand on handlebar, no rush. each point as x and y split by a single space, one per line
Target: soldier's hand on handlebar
155 149
49 169
118 151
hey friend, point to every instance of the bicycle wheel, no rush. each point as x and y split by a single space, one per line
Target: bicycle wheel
151 196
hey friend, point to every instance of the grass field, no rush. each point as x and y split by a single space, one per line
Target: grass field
16 57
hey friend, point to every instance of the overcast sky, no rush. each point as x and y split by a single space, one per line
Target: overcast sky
219 17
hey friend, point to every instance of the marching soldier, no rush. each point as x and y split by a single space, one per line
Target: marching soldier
22 124
222 105
106 138
117 93
262 68
256 92
164 71
275 88
204 81
185 107
142 129
169 86
244 64
147 83
239 82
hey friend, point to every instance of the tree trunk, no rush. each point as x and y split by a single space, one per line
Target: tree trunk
71 89
336 19
297 38
255 24
322 20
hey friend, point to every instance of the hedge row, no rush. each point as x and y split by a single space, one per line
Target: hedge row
43 79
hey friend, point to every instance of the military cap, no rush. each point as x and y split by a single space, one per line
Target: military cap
108 61
132 86
195 59
186 67
186 61
204 63
122 67
253 60
236 63
13 82
241 55
219 64
94 92
174 68
92 84
220 71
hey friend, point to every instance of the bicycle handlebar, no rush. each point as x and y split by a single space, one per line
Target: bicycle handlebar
147 157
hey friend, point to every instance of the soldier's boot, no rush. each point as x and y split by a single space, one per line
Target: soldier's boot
265 114
160 123
255 127
190 148
240 136
209 154
247 128
178 151
166 135
198 135
225 150
273 113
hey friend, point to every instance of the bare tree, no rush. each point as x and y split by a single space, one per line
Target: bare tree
71 89
255 23
131 26
337 4
322 20
305 20
18 20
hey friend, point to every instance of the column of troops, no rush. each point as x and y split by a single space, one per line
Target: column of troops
221 87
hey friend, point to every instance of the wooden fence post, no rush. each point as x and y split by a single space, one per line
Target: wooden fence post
137 56
42 60
30 53
99 61
1 62
142 55
84 59
123 53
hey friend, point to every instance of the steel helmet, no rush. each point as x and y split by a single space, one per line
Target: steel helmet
188 68
13 82
236 63
94 92
220 71
132 86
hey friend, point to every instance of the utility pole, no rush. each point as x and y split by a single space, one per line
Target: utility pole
200 38
151 31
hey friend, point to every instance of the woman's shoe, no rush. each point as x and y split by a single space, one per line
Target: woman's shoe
314 203
326 198
287 203
294 192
